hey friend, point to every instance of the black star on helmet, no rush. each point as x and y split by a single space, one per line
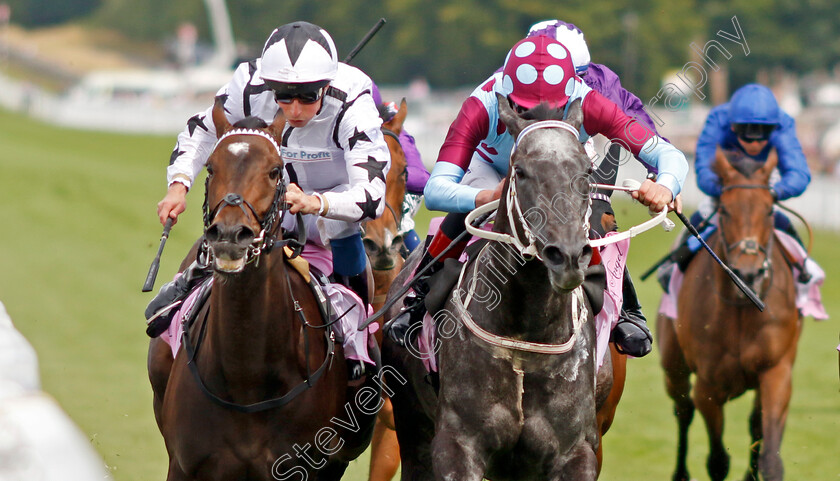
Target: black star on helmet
368 206
296 35
374 169
358 137
176 153
196 121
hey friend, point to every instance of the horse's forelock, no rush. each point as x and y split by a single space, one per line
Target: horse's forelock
251 122
543 111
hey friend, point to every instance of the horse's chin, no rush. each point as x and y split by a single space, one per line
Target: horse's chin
228 259
565 281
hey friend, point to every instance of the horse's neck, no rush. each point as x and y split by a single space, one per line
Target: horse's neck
530 307
251 316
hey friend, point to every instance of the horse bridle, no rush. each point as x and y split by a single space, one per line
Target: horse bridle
747 246
264 241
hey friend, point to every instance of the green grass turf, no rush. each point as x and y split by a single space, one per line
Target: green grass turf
79 232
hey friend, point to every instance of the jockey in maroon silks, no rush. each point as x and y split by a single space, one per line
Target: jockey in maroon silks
474 160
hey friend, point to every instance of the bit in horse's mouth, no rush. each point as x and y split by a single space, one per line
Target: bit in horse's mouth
224 263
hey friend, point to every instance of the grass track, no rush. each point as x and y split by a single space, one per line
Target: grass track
79 232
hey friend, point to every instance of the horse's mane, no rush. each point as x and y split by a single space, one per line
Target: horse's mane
543 111
251 122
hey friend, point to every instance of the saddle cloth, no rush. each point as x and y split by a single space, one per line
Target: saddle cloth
808 297
340 297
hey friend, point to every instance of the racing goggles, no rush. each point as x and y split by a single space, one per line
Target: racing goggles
753 132
308 93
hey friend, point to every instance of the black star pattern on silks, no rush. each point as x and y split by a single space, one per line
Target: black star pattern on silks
176 153
196 121
358 137
223 98
368 206
297 35
374 169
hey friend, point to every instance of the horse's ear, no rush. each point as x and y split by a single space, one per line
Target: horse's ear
574 115
395 125
722 166
607 172
770 164
276 127
514 123
219 118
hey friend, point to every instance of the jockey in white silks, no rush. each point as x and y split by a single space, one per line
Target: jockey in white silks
336 159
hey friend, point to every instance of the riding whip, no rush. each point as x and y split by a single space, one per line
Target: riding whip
410 283
669 256
737 280
364 40
153 269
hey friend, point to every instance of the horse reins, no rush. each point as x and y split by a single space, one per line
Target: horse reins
264 242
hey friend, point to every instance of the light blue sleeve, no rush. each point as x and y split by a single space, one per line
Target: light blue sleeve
444 192
668 161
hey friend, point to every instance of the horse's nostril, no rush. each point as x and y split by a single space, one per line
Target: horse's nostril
553 255
213 233
244 235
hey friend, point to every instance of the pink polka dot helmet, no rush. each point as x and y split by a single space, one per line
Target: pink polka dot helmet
538 69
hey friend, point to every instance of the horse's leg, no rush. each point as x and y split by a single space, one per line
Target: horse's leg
678 386
613 373
159 364
582 465
755 436
710 404
333 471
775 391
385 450
456 455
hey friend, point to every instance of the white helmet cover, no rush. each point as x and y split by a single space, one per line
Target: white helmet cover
570 36
299 52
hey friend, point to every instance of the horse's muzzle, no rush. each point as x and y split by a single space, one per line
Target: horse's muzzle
566 270
228 245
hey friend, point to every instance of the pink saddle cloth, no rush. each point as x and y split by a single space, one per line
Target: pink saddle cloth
342 299
808 297
614 258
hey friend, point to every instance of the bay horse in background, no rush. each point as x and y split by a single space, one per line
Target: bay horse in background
383 244
504 413
265 379
723 339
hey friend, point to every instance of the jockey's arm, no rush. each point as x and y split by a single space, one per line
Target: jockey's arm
792 164
443 191
195 144
604 117
367 165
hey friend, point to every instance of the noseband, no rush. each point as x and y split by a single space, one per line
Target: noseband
273 217
747 246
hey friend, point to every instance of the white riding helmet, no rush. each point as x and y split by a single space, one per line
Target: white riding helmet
299 53
570 36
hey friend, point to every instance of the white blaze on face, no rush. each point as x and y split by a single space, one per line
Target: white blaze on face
238 148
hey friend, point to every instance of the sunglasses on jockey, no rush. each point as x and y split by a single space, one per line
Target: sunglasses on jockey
306 93
753 132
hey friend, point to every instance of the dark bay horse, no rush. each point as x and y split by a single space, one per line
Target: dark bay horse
517 393
265 396
383 243
720 337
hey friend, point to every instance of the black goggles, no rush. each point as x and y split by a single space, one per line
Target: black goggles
305 96
753 132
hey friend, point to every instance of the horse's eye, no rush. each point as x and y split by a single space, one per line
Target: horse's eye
724 212
275 173
520 172
209 170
